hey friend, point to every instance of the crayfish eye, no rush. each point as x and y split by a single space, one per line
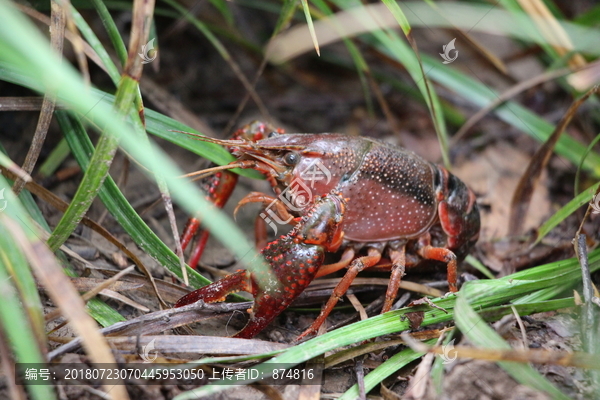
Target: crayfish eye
291 158
273 134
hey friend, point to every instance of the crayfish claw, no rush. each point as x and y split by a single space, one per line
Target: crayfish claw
294 261
217 291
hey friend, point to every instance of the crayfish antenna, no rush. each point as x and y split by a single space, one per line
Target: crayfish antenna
197 175
231 142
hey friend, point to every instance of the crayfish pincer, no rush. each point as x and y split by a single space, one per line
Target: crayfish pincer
368 198
294 261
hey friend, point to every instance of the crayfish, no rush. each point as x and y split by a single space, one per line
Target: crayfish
365 197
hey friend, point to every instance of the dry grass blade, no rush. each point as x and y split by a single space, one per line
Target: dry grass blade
87 284
140 29
566 359
57 37
313 390
521 327
360 378
587 213
95 291
551 30
357 306
418 385
349 354
22 103
78 42
169 344
14 168
157 322
583 80
62 206
522 196
406 285
512 92
490 57
124 299
87 49
170 292
64 295
164 192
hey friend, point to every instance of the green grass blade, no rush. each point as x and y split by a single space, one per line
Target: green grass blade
54 159
311 26
408 57
373 327
398 15
95 43
583 157
17 330
469 16
41 70
157 124
526 25
510 112
359 62
223 8
112 30
118 205
482 335
86 192
485 294
104 314
286 13
478 265
581 199
16 266
48 271
397 361
99 310
589 18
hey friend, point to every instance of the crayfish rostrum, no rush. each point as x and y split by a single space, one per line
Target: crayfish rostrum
365 197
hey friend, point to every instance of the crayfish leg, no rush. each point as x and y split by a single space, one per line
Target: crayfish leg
198 249
358 265
293 267
398 258
217 291
218 189
345 260
444 255
191 228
